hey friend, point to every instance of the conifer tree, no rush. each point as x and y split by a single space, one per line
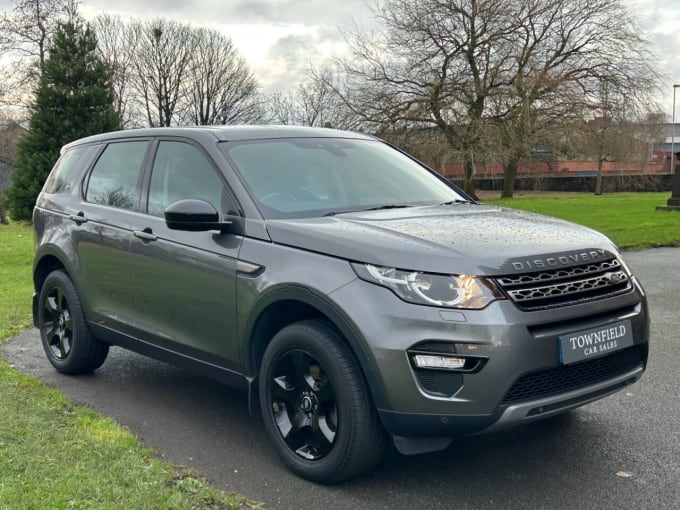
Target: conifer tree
74 98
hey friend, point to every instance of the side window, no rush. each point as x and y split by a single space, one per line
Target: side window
181 171
113 180
60 177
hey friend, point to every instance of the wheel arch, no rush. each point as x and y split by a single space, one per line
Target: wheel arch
292 304
44 264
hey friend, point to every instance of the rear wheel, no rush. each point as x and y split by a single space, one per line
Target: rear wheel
66 338
315 405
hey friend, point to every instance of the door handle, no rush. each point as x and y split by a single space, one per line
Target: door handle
145 235
78 217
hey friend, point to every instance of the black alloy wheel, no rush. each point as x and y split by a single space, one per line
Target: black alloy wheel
66 338
315 404
304 405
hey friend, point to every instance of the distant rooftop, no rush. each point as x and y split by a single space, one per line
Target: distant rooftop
10 133
667 147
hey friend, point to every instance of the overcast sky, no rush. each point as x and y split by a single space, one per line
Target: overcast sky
279 38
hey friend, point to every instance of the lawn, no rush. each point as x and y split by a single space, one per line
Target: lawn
629 219
58 455
16 256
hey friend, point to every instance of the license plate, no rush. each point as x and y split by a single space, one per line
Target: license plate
595 342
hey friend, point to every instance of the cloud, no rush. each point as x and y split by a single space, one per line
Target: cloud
660 22
266 12
289 61
280 37
292 47
305 12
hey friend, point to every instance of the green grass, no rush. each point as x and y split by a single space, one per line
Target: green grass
629 219
56 455
16 256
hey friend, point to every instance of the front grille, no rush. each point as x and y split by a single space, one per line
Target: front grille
553 381
566 286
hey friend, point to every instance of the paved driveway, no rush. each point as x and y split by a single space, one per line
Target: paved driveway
572 461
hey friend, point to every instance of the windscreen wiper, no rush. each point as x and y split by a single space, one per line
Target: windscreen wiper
458 201
377 208
388 206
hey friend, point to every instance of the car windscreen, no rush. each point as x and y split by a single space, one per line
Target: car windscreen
307 177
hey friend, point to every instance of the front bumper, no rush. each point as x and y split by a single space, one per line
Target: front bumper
505 416
516 347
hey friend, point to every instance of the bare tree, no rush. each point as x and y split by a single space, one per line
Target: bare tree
25 33
435 63
315 102
117 45
577 56
163 55
611 133
221 88
282 108
470 68
308 105
606 133
167 73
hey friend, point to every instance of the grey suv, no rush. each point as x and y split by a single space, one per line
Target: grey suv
355 294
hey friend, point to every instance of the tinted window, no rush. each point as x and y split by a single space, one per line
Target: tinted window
60 178
113 180
313 176
181 171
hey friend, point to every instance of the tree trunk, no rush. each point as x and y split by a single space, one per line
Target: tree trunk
469 179
598 179
509 175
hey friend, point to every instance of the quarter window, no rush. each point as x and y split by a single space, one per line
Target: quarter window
60 177
181 171
113 180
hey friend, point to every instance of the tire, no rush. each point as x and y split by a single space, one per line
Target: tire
315 405
66 337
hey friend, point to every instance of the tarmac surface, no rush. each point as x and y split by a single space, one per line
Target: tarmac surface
618 453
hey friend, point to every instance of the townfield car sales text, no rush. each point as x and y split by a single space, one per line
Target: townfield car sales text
599 341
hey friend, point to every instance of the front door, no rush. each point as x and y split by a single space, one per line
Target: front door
184 283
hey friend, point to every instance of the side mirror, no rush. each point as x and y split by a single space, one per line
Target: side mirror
194 216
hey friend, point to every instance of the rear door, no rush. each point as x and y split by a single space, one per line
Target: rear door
101 235
184 282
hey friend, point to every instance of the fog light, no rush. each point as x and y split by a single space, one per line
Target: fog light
433 361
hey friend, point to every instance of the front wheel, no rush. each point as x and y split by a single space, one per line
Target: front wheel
315 405
66 338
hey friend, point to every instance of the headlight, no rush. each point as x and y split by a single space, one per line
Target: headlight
449 291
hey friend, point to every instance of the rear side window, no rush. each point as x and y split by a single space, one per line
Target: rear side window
113 180
60 178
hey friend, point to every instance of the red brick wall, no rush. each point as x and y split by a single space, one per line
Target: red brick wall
556 168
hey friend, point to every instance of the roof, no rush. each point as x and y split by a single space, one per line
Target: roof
224 133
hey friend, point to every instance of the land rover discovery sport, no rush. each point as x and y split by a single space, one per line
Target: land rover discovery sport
355 294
